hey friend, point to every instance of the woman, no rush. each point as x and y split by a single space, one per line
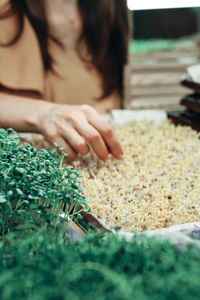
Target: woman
64 74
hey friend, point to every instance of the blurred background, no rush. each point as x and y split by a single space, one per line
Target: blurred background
165 41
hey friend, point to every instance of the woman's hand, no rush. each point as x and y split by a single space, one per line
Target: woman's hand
78 129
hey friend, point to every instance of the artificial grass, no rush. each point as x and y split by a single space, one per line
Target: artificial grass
45 266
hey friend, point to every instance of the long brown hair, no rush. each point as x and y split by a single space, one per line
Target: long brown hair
35 10
104 31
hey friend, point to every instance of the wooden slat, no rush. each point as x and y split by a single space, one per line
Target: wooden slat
160 67
158 55
156 91
168 103
165 78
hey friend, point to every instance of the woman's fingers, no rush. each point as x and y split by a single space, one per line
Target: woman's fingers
93 138
64 144
106 132
76 141
79 128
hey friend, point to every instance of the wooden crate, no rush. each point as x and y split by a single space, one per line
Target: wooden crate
152 80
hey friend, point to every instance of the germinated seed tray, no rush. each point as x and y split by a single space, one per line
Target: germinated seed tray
180 234
120 117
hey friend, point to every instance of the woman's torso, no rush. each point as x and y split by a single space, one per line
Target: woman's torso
73 82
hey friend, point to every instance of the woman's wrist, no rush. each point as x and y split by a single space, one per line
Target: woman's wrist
39 110
22 114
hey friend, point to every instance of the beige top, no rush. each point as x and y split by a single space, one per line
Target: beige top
21 68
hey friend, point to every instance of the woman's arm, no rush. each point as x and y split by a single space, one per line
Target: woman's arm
76 128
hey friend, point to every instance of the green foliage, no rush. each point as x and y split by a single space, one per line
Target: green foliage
137 46
40 265
44 266
34 187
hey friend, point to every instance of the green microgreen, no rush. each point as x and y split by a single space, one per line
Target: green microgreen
45 266
34 185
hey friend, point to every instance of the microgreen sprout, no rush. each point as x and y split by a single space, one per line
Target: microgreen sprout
34 185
